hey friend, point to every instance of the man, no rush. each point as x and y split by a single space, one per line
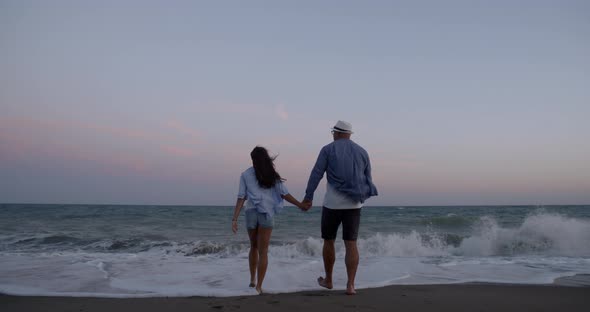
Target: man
349 185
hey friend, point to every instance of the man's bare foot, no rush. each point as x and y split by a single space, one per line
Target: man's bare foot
252 285
350 290
324 283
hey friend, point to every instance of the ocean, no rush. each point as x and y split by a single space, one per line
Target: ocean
156 251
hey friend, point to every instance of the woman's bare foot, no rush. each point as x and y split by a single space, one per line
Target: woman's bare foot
259 290
252 285
350 290
324 282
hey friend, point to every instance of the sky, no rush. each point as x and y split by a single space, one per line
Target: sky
161 102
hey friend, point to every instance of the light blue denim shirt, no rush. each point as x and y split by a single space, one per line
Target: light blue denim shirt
264 200
347 168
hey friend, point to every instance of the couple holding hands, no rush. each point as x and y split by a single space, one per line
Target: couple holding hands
349 184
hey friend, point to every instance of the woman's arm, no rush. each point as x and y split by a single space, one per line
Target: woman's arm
293 201
234 221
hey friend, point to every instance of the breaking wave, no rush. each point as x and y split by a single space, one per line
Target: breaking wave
540 234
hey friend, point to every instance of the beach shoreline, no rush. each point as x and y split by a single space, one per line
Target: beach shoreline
449 297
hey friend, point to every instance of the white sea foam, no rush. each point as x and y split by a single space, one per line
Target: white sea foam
542 248
546 234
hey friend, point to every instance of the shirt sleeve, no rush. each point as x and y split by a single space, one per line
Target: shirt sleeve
282 188
369 177
317 173
242 189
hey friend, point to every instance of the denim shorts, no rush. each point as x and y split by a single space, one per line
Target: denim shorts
255 219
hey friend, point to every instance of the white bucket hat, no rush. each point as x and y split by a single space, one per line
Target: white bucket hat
343 126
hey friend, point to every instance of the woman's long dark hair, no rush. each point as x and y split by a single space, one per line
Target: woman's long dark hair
264 167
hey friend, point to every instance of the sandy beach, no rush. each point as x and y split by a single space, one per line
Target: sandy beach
465 297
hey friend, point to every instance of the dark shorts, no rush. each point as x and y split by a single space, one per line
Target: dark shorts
350 219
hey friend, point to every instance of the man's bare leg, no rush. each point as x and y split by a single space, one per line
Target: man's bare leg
352 262
329 254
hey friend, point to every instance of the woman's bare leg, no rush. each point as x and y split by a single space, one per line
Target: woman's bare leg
263 241
253 256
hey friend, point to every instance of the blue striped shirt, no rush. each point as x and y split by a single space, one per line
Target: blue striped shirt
347 168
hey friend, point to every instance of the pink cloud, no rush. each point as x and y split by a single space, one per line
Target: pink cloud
245 109
169 153
25 129
23 138
182 128
178 151
113 163
42 152
119 132
230 108
11 148
281 112
41 125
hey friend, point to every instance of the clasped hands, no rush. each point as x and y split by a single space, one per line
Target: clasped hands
305 205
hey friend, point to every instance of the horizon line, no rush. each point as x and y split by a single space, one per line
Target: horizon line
376 206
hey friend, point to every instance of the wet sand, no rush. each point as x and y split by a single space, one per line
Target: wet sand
462 297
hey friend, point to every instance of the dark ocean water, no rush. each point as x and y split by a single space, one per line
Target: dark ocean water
110 250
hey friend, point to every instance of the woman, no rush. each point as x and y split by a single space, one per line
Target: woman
264 189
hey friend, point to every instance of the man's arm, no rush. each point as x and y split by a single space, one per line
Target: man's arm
368 169
370 178
317 173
